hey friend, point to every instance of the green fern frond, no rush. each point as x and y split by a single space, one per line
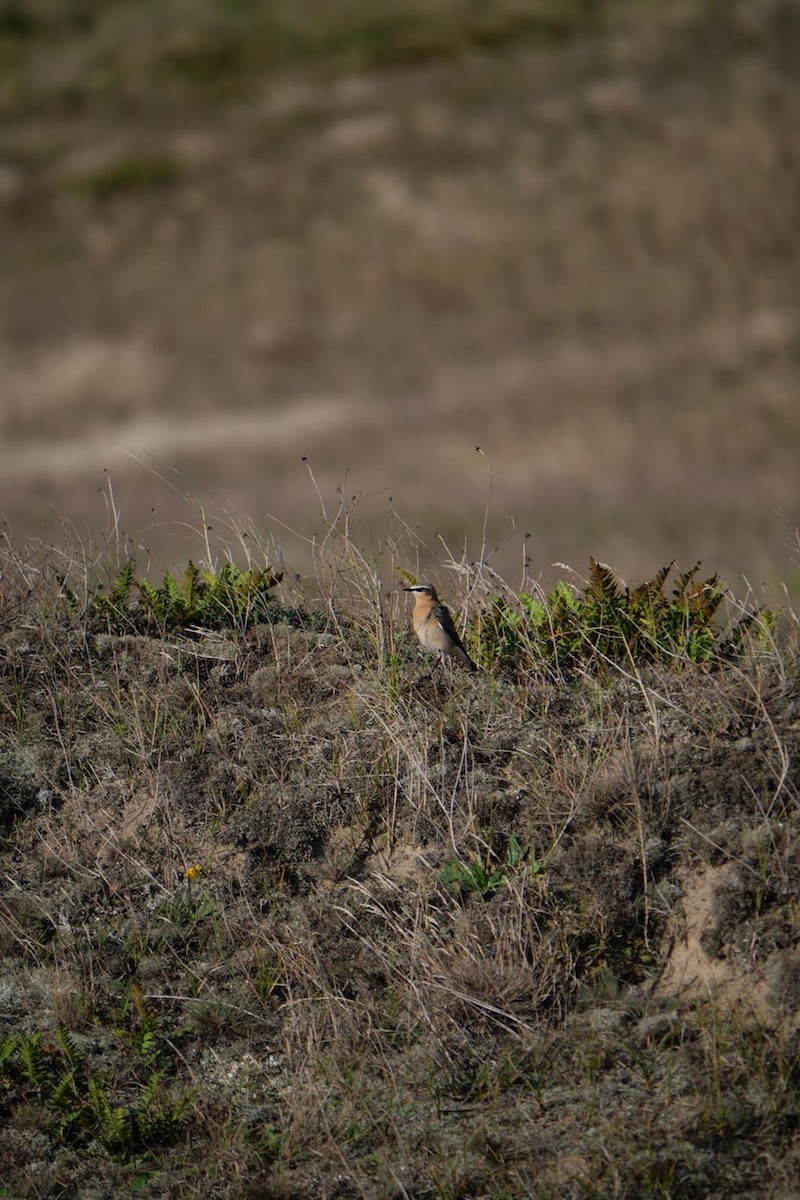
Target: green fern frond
535 610
610 624
149 1090
564 597
7 1047
121 586
147 1043
149 593
191 583
62 1097
224 599
69 1050
172 595
32 1060
110 1123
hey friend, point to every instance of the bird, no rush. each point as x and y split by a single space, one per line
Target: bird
434 626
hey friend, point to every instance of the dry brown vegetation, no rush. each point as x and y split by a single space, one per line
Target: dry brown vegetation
282 917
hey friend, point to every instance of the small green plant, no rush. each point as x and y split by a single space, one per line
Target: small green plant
271 1141
32 1061
472 878
479 877
56 1075
226 599
611 623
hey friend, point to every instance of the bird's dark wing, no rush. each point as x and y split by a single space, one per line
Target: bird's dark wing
442 614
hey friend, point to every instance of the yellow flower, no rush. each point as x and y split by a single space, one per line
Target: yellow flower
193 871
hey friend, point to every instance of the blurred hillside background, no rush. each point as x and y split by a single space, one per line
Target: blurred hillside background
378 234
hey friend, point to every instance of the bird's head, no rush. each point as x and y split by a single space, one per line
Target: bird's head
423 589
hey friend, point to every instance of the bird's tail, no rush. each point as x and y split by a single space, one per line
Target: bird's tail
465 658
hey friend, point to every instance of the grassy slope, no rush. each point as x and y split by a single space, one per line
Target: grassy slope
606 1007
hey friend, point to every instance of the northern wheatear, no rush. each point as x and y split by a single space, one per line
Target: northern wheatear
434 626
